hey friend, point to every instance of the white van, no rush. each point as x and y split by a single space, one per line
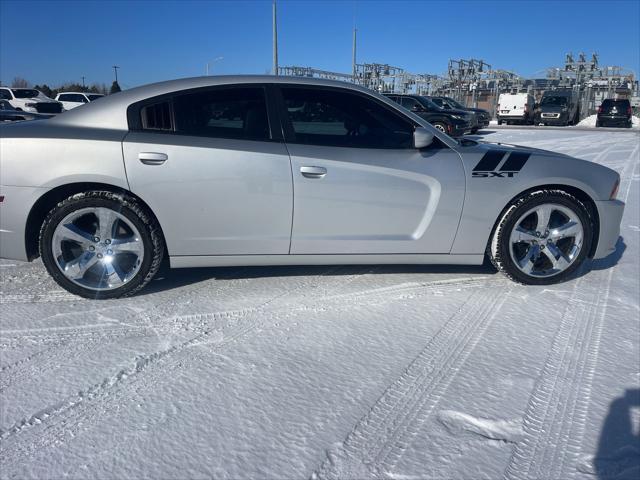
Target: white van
515 107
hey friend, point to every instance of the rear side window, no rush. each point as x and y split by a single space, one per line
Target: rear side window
72 97
5 94
344 119
157 117
237 113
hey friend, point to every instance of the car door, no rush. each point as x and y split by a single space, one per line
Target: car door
214 171
359 184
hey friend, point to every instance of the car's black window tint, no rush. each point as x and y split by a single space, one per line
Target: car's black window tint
5 95
620 105
72 97
409 103
223 113
157 116
438 101
343 119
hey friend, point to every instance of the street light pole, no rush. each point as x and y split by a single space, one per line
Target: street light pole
115 70
275 40
83 81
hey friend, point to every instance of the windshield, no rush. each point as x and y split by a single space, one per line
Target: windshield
25 93
558 101
93 97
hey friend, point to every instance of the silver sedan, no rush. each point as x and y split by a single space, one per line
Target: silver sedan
259 170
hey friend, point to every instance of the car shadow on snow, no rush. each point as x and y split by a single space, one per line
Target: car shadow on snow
611 260
168 279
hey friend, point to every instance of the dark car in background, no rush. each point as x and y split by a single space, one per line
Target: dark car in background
558 107
482 116
614 113
452 122
9 114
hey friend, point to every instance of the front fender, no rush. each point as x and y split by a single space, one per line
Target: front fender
488 194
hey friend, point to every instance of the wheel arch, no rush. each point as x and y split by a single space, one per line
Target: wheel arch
52 197
580 194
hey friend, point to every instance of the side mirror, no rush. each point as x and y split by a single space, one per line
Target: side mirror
422 138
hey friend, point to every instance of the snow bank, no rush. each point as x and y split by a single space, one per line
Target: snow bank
590 121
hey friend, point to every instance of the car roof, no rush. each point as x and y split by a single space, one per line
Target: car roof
111 112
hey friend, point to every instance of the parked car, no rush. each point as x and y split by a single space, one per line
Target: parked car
558 107
30 100
614 113
10 114
72 100
515 108
452 122
482 116
150 173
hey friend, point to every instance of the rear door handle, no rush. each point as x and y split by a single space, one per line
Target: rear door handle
152 158
313 172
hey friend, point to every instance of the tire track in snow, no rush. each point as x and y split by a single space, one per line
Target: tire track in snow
71 416
381 437
556 416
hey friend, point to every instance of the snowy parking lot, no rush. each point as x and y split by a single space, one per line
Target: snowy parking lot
399 372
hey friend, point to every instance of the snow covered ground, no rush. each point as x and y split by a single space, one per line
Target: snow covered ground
398 372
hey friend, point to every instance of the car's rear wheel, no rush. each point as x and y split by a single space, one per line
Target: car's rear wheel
542 238
101 245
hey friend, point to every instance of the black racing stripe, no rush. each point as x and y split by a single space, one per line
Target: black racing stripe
489 161
515 162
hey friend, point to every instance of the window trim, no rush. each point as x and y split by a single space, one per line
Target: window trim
287 126
134 118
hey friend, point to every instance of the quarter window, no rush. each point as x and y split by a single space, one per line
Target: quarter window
239 113
343 119
157 117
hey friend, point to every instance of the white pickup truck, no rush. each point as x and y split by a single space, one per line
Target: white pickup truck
75 99
30 100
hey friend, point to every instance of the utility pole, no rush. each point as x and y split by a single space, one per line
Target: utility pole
83 81
115 69
353 61
275 40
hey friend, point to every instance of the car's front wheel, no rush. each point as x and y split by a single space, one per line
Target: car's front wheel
101 245
542 238
440 126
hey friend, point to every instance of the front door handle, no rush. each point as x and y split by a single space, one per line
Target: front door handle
313 172
152 158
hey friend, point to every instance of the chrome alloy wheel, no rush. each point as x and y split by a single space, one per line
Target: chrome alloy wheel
440 127
97 248
546 240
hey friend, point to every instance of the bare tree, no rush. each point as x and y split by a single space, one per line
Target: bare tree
19 82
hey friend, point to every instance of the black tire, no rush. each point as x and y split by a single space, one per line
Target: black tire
498 248
499 122
127 206
598 124
474 131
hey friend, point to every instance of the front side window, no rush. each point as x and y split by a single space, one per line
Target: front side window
94 96
344 119
237 113
410 103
